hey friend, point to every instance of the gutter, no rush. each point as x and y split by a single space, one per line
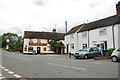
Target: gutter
88 39
113 36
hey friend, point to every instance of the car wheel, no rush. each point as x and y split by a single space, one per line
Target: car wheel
86 57
114 59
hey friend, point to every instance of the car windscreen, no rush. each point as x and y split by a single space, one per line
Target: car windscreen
118 49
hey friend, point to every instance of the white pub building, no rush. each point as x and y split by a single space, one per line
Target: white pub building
38 42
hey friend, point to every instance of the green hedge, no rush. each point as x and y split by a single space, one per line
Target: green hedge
110 51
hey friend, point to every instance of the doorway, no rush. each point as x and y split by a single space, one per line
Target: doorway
67 48
38 50
103 45
59 50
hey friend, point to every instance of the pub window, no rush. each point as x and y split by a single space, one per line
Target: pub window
30 48
44 49
38 41
31 41
50 49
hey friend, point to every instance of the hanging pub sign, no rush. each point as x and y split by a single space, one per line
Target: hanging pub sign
38 44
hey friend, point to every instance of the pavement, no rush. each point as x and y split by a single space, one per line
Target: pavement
16 65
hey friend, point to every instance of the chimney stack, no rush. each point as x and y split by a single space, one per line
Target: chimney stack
118 8
54 30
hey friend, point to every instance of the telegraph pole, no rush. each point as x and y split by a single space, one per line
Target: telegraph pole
66 26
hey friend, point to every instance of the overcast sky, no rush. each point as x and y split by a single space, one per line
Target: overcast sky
17 16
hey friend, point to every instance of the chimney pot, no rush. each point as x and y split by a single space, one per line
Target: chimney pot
54 30
118 8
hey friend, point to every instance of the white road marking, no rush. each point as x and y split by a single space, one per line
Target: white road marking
6 69
3 67
66 66
95 62
10 72
2 78
0 65
17 76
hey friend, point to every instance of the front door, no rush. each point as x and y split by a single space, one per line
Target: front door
59 50
67 48
38 50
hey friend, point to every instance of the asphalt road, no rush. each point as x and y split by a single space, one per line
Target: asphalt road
16 65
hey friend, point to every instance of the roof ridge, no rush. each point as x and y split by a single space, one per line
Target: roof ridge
42 32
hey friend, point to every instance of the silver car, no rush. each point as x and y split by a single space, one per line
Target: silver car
115 56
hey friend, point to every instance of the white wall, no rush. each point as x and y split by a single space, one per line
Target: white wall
69 40
26 43
96 38
82 40
118 35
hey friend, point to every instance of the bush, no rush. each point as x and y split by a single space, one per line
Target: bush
110 51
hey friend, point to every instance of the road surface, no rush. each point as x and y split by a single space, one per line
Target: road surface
16 65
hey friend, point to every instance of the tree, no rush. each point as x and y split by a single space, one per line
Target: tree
55 44
15 41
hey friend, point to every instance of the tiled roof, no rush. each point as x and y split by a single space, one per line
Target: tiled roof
74 29
43 35
101 23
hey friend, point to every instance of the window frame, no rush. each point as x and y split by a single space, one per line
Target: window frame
84 34
29 50
72 46
102 31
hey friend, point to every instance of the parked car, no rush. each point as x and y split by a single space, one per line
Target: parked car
87 53
115 56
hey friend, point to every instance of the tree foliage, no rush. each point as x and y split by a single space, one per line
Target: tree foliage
55 44
15 41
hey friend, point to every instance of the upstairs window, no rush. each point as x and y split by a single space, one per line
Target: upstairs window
31 41
72 36
38 41
84 34
103 31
